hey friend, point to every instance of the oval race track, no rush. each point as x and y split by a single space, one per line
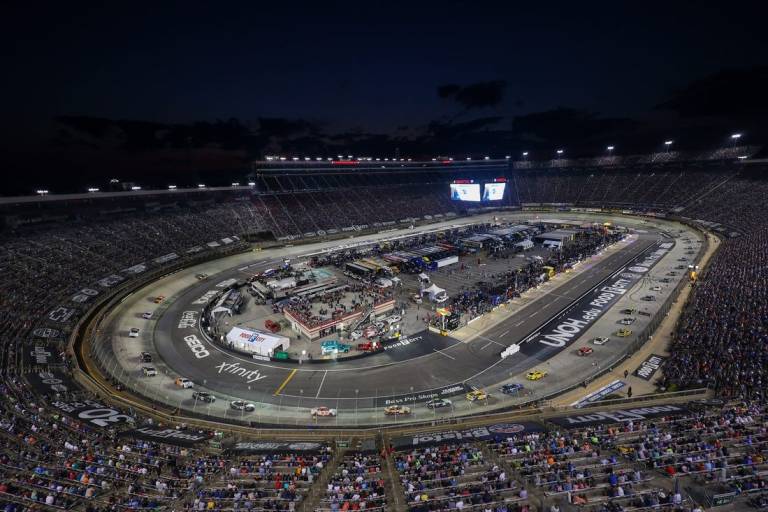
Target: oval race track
430 365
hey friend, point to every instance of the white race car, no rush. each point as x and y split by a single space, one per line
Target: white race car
134 332
320 412
149 371
240 405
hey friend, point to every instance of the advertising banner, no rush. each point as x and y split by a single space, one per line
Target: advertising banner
497 431
594 419
168 436
648 368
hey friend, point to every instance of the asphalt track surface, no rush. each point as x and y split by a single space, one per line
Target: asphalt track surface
431 362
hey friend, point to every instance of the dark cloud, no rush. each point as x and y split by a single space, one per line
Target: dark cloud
477 95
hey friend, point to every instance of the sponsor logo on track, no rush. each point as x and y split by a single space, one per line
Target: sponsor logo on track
196 346
250 376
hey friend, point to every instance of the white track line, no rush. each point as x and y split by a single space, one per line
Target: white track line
321 384
443 353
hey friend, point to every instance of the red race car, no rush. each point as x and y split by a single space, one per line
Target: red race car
585 351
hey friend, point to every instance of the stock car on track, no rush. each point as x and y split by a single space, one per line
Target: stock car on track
623 333
134 332
535 375
655 288
680 267
601 340
512 388
203 396
477 394
159 299
200 277
627 321
438 403
628 311
145 357
240 405
397 410
322 412
665 280
649 298
147 315
585 351
149 371
183 382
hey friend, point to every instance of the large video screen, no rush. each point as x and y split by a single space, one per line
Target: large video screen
493 191
465 192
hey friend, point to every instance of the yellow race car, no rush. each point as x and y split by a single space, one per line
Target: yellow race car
477 394
535 375
623 333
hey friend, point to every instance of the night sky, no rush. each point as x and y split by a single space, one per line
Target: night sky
367 67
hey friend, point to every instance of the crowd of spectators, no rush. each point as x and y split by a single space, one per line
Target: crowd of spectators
357 484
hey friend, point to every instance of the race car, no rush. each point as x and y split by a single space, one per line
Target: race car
240 405
600 340
627 321
655 288
147 315
512 388
203 396
628 311
477 394
665 280
200 277
134 332
535 375
322 412
649 298
397 410
438 403
183 382
159 299
145 357
680 267
623 333
585 351
149 371
672 273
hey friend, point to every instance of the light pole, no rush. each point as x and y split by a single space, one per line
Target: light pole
667 144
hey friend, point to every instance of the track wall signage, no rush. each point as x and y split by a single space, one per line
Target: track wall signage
648 367
500 430
618 416
93 413
423 396
167 436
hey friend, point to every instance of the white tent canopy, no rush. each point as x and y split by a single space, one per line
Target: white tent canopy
257 342
435 293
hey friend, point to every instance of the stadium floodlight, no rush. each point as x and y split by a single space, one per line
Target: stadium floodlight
668 142
609 148
235 184
349 156
42 192
339 156
378 159
507 157
251 184
114 180
487 158
469 158
171 187
306 159
450 159
318 159
135 188
295 158
742 157
386 159
525 153
409 159
736 136
559 151
434 159
282 159
93 189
